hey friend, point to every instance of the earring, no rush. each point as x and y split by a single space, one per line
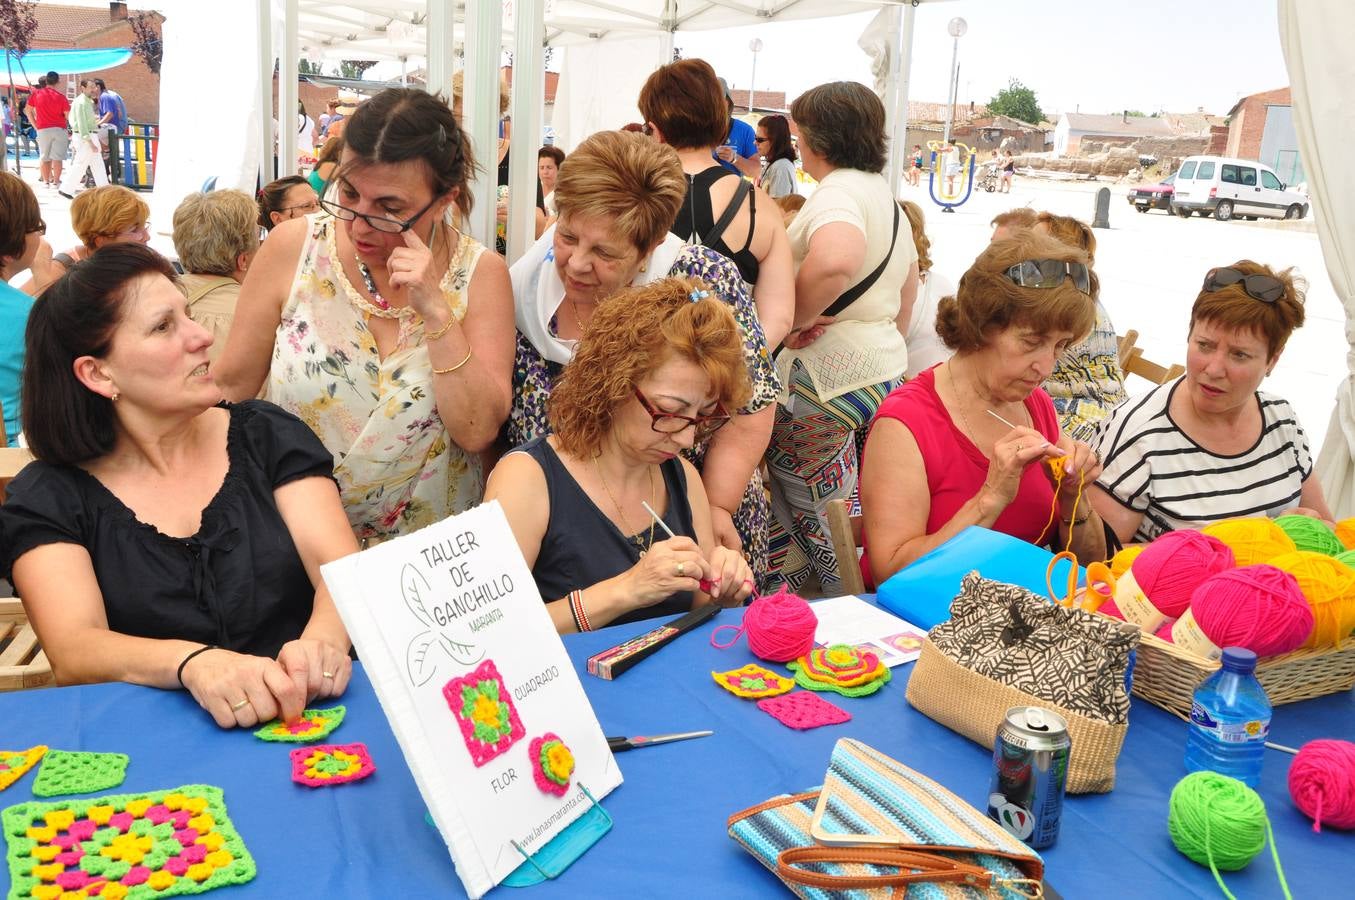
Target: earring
115 397
644 266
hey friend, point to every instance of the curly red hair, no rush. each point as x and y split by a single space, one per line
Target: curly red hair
632 333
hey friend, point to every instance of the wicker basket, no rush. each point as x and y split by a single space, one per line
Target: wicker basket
1166 676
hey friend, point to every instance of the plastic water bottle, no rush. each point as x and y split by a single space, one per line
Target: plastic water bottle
1230 720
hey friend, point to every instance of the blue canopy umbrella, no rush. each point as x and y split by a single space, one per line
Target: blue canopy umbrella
25 69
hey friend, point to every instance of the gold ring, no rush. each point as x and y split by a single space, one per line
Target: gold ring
681 569
327 674
236 707
1020 447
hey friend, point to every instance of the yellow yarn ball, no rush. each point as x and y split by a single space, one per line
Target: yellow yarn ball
1120 562
1329 587
1252 541
1345 533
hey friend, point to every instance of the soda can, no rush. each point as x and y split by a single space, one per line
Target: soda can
1030 768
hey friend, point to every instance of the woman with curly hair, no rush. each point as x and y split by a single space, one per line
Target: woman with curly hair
658 369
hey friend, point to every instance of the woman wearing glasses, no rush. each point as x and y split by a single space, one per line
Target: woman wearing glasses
968 442
286 198
1211 445
101 216
773 142
216 238
380 325
655 372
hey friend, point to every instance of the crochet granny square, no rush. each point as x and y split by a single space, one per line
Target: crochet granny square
326 764
488 719
14 763
157 844
65 772
849 671
753 681
803 710
313 725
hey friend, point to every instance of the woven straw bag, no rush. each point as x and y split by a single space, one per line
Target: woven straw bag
1028 653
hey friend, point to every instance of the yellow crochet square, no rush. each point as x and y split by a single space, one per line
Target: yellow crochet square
752 681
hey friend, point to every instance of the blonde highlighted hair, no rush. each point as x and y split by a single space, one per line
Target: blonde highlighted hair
918 222
627 178
104 212
212 230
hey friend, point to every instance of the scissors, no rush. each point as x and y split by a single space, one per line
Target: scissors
1100 584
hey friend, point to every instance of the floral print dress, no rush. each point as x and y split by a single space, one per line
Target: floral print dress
534 377
397 467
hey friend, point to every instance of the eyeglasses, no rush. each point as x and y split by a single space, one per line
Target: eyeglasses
1258 287
380 223
762 140
309 206
672 423
41 228
1050 273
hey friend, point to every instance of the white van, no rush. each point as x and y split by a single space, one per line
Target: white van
1227 187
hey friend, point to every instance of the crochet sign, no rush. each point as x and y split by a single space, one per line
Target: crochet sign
483 699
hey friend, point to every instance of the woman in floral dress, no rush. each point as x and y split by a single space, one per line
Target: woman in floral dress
383 327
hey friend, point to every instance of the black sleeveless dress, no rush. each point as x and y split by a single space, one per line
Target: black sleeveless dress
697 217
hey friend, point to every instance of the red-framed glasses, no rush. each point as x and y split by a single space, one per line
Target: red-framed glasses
672 423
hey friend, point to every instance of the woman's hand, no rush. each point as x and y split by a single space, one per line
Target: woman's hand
1081 470
668 567
732 582
241 690
800 338
1012 453
414 274
317 668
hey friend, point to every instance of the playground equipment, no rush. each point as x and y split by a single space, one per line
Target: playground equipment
955 186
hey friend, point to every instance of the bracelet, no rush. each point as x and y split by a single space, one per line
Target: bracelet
187 659
576 609
451 320
469 353
1073 523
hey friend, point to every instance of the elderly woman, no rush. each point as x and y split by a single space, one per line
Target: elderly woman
853 255
654 373
1211 445
685 107
286 198
773 142
21 231
617 195
969 441
101 216
216 238
381 326
163 538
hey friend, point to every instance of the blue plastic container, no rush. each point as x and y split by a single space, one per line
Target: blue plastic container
1230 720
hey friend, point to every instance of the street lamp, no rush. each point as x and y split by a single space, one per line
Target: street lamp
956 28
756 46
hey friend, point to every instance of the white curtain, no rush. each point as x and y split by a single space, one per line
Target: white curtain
599 85
1315 35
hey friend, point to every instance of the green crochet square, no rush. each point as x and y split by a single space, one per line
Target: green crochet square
67 772
313 725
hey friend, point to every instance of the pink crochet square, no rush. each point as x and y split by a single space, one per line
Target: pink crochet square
485 711
326 764
803 710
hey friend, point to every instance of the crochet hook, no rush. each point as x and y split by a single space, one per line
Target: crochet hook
617 744
705 583
1000 419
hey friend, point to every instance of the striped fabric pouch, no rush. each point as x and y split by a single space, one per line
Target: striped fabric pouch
879 829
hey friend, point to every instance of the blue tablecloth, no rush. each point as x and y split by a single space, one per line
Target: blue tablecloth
369 839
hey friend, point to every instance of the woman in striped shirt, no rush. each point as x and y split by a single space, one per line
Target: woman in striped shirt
1210 445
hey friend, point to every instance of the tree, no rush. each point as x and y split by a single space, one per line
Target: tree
353 68
306 67
146 41
1017 101
17 24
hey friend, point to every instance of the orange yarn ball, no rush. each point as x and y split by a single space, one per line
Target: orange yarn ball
1345 533
1329 586
1120 562
1252 541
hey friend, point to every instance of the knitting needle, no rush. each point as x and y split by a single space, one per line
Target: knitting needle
1008 424
705 584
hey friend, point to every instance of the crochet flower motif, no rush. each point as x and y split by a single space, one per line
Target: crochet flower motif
847 670
311 725
326 764
489 722
552 763
753 681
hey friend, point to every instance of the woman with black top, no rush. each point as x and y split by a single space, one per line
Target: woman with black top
162 537
685 108
658 369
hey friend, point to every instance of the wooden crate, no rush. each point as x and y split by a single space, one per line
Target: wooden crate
22 662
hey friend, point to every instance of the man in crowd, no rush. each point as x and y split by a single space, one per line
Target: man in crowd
112 122
49 108
88 153
739 153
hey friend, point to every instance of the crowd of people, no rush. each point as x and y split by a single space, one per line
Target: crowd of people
663 393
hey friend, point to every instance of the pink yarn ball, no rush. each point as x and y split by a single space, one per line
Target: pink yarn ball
1108 608
1322 783
780 627
1258 607
1165 632
1170 568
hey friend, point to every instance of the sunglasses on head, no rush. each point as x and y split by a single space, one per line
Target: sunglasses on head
1258 287
1050 273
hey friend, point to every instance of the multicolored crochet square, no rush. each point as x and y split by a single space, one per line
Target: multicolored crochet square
14 763
126 847
488 719
66 772
312 725
552 763
849 671
753 681
803 710
326 764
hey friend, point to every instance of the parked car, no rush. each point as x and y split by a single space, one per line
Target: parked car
1153 196
1226 188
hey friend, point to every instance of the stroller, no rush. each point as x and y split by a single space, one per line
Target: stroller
989 177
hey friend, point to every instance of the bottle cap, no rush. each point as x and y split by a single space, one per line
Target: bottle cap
1239 659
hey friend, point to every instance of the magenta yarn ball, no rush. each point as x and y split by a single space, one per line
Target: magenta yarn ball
1322 783
1170 568
780 627
1165 632
1258 607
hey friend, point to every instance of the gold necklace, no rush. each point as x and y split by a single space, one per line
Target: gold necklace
959 404
625 523
578 320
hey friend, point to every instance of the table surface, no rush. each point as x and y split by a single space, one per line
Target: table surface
669 837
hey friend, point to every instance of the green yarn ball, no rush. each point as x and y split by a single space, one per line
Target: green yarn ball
1217 821
1311 534
1347 557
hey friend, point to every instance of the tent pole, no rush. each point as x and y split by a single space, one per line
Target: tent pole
529 83
484 36
438 34
289 91
265 111
14 113
896 92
